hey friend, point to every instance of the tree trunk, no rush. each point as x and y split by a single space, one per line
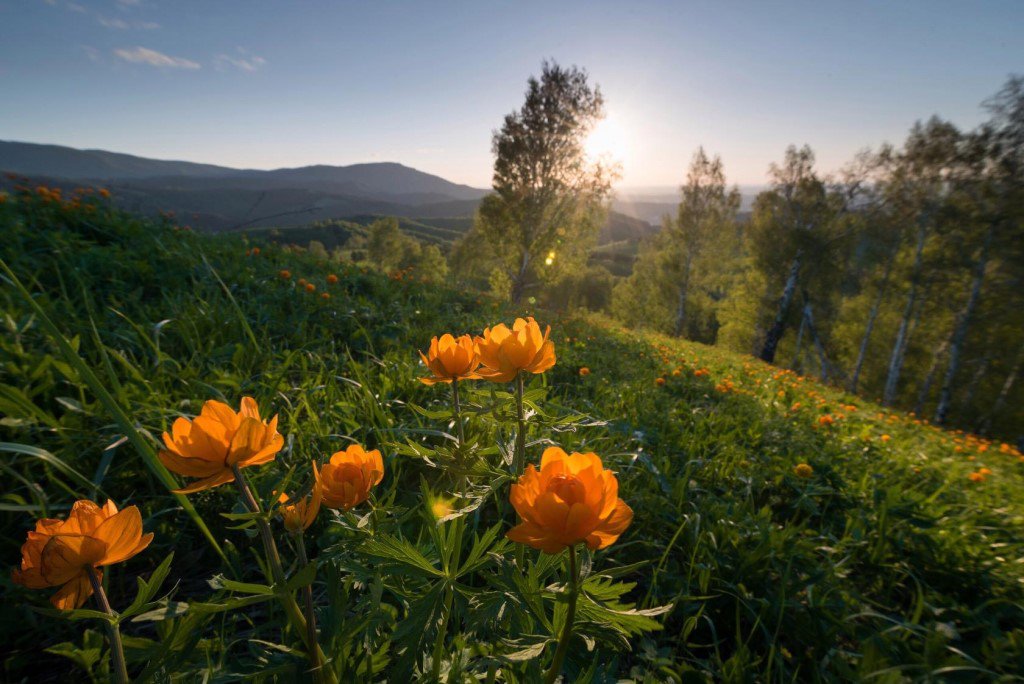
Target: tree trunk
872 317
684 287
771 341
899 347
799 343
1004 392
960 332
818 346
519 280
926 386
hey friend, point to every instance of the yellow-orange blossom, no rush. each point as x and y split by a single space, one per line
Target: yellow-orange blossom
300 514
61 552
503 352
218 439
451 358
347 479
571 499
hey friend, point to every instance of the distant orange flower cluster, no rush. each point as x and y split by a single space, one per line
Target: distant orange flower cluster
82 199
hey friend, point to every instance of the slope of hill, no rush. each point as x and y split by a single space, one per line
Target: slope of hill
380 181
798 533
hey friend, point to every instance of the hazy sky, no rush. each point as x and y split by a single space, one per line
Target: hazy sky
268 84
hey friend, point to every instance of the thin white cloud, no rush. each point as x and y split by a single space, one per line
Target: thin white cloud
75 7
122 25
141 55
93 54
243 60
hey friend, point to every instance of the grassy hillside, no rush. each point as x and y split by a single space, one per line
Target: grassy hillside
899 557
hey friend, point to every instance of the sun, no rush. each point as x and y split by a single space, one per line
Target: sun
608 140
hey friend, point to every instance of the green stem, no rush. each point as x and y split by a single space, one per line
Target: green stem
457 411
519 459
307 595
435 666
570 618
113 630
291 608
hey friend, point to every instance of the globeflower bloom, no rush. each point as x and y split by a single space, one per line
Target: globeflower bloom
803 470
219 439
504 353
61 553
571 499
347 479
332 279
451 358
584 372
300 514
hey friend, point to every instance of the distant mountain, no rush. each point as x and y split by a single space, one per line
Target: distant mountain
383 181
55 161
219 198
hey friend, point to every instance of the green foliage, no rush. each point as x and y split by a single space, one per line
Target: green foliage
887 561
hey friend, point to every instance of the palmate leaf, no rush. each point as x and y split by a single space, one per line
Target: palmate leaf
483 546
401 554
627 621
417 629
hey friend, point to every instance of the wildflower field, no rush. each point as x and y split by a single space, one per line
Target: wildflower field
229 461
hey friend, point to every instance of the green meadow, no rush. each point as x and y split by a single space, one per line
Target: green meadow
897 555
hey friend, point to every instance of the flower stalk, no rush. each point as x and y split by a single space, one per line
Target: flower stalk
573 589
315 654
113 629
519 458
457 412
307 596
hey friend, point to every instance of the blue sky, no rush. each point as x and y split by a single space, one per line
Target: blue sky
268 84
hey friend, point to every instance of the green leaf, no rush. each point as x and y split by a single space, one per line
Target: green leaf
164 611
528 652
401 552
147 589
222 582
48 458
302 578
230 604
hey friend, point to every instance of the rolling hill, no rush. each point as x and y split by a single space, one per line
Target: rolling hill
222 199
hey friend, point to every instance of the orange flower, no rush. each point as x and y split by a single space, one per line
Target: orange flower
985 471
584 372
803 470
451 358
300 515
285 274
302 282
325 295
885 438
310 287
571 499
104 193
255 251
332 279
60 553
348 477
976 477
218 439
503 352
660 382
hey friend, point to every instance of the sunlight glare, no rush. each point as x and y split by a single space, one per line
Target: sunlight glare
608 139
